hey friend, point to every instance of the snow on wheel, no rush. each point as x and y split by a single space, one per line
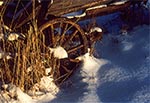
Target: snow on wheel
68 35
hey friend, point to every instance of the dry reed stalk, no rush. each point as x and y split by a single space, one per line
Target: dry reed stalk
31 53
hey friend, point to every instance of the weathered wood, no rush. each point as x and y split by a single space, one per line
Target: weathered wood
66 6
59 8
106 10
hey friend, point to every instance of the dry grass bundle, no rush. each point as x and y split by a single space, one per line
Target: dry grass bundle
28 61
22 62
24 59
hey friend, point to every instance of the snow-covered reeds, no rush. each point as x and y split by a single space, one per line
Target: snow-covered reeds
26 54
24 58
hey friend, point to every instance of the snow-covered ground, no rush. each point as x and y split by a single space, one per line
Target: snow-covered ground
119 70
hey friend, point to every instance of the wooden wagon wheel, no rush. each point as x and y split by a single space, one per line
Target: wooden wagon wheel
69 35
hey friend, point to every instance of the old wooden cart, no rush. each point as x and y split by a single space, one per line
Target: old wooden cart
58 29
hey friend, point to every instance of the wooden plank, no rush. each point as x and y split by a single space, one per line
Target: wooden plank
65 6
103 11
106 10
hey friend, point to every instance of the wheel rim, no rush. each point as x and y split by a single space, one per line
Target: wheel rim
70 36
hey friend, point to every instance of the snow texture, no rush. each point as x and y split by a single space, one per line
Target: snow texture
97 29
59 52
41 92
77 15
13 36
90 67
119 76
1 3
96 7
120 2
4 55
89 70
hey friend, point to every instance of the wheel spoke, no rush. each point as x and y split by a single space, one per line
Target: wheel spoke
52 36
76 48
63 34
74 60
65 68
70 38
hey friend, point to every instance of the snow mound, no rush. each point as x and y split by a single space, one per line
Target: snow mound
14 94
97 29
46 85
1 3
90 66
43 91
13 36
89 72
59 52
